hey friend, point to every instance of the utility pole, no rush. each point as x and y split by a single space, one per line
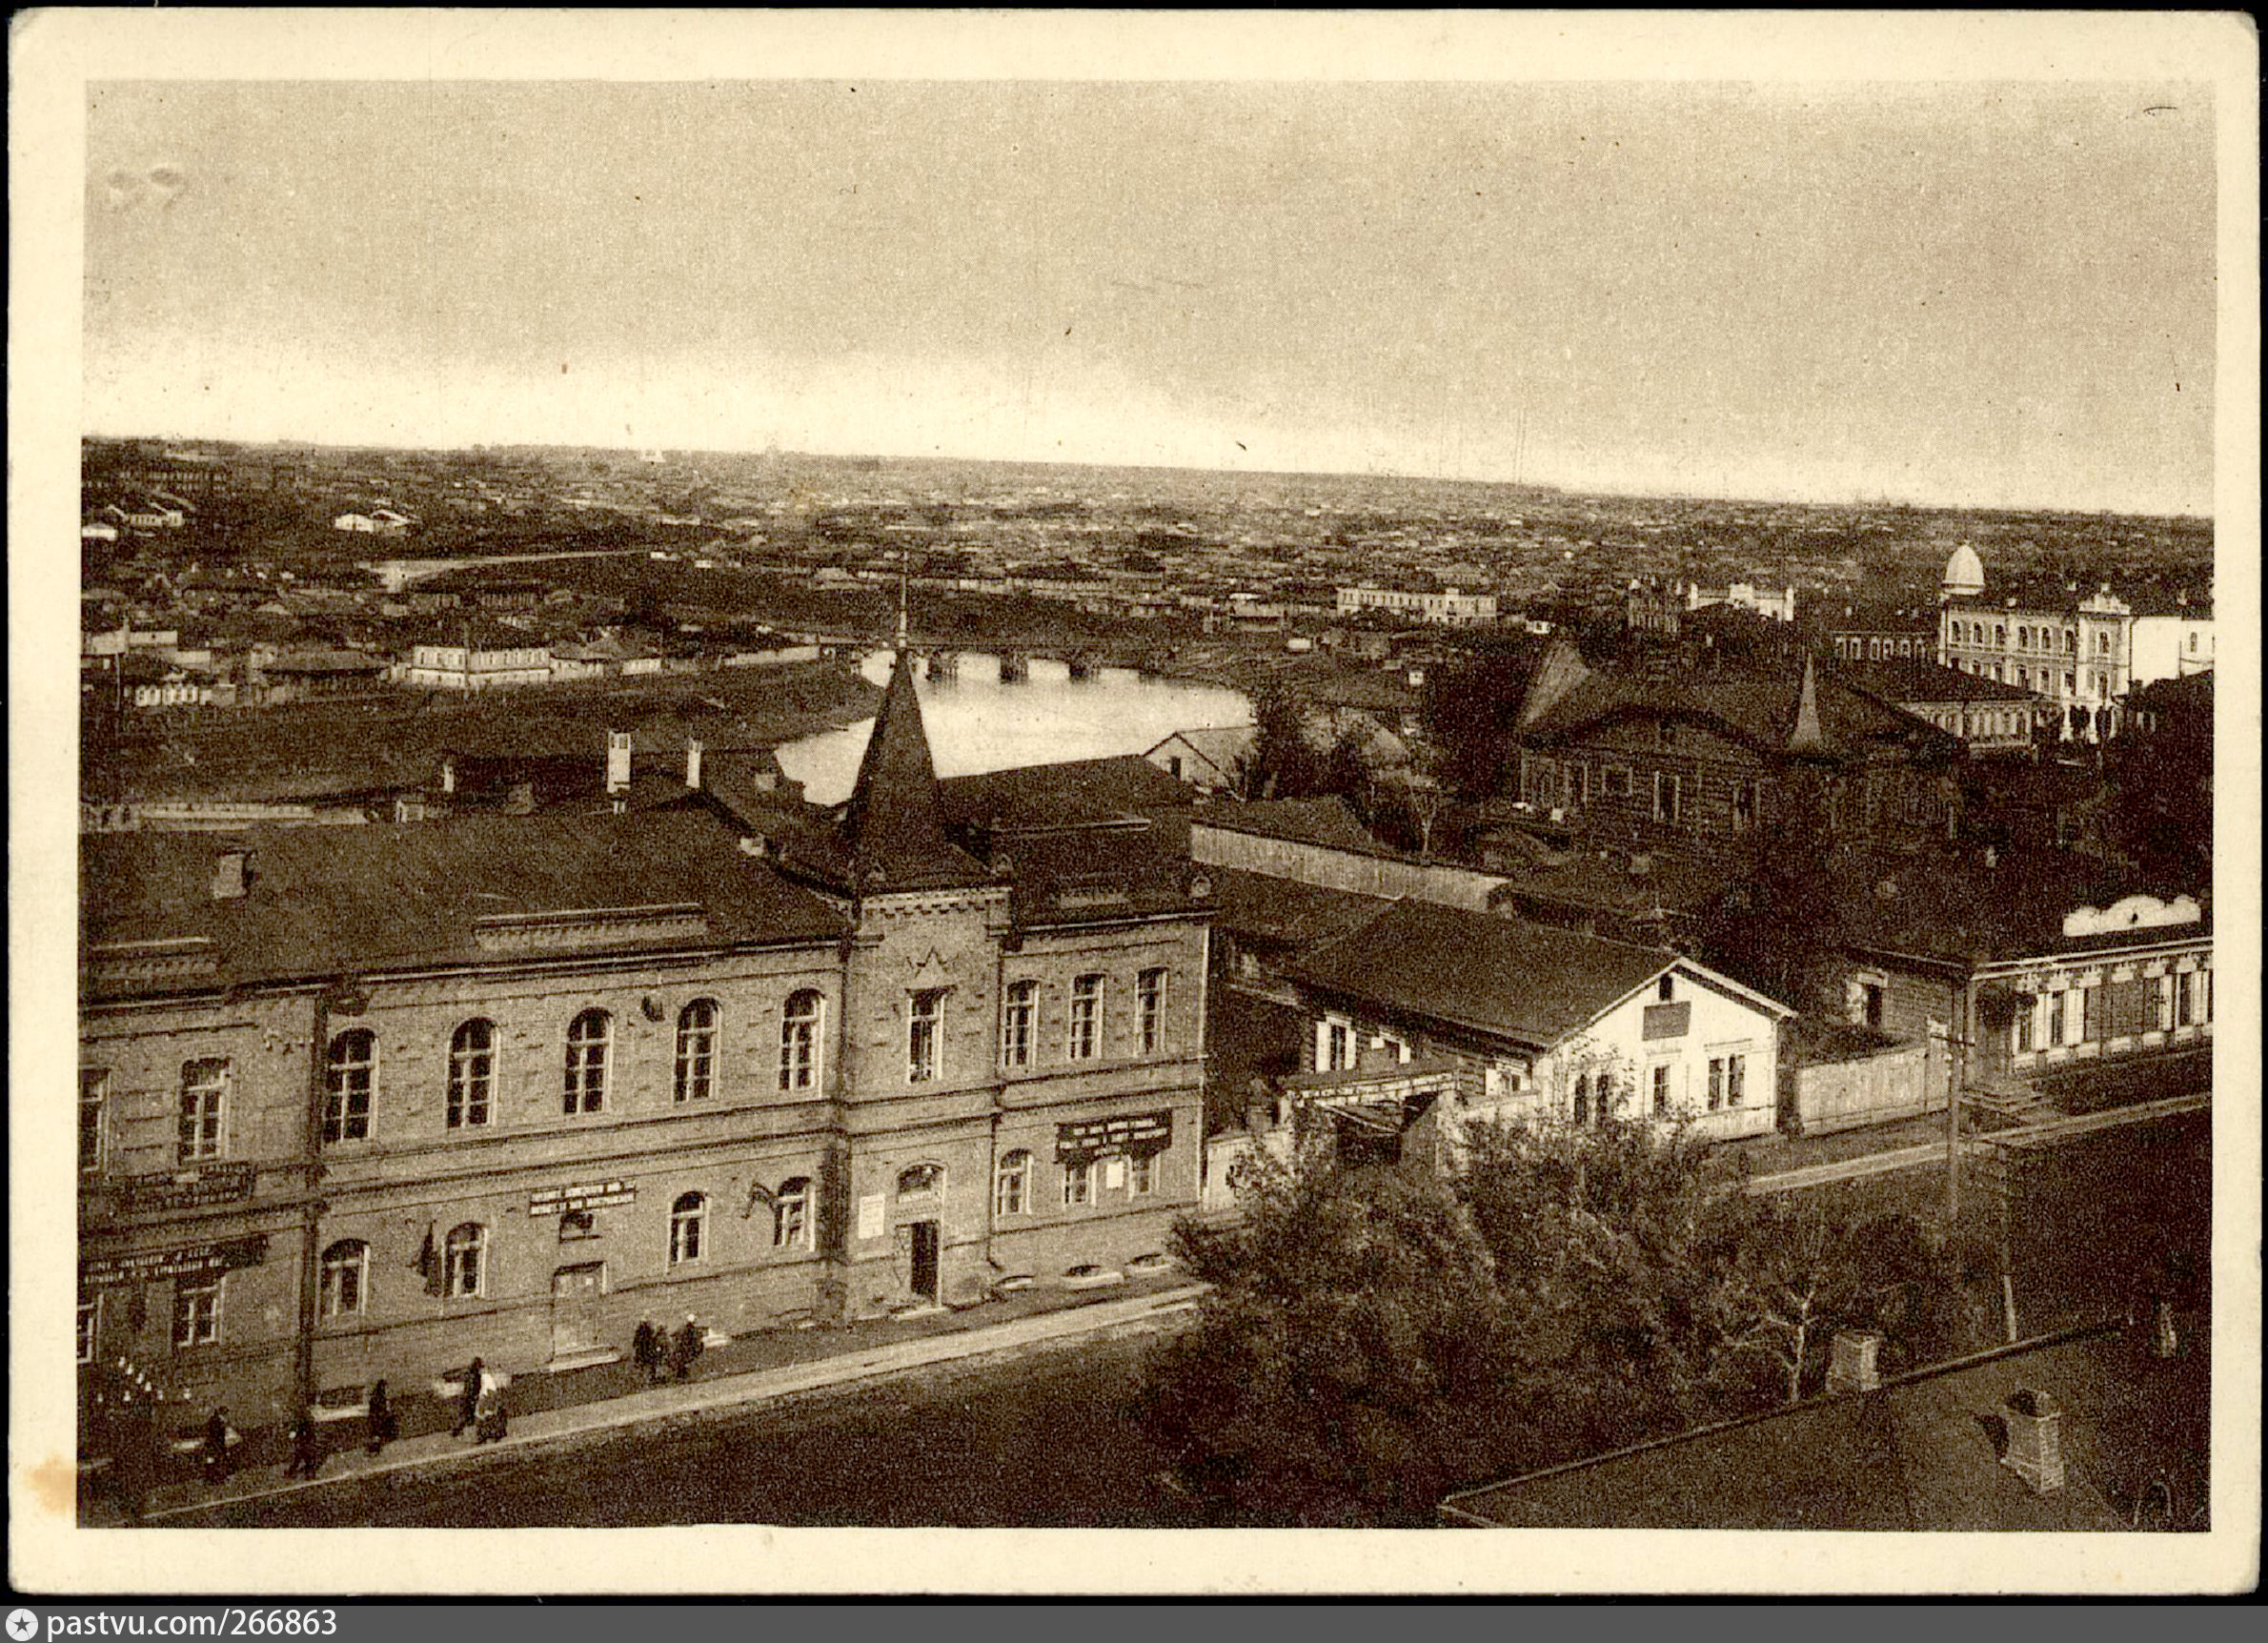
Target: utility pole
1956 1061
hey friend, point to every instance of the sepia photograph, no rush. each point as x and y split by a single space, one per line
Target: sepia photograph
1206 773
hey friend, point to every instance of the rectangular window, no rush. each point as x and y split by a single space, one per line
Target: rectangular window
2154 1006
204 1097
1736 1077
1716 1081
2185 999
1335 1053
2054 1033
197 1313
94 1093
1150 994
1661 1090
2024 1025
1079 1182
90 1328
926 1015
1087 1017
1618 781
1016 1023
1141 1174
1744 805
1668 797
346 1086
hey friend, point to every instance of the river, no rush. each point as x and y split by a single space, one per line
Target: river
977 723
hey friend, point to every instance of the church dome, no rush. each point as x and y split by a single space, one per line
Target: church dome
1964 572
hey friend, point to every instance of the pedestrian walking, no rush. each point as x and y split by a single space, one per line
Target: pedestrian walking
468 1399
686 1348
220 1438
645 1350
384 1425
307 1448
489 1423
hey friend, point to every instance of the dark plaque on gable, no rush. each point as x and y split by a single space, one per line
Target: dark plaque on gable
1668 1021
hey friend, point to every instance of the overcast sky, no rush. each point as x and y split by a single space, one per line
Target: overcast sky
1985 293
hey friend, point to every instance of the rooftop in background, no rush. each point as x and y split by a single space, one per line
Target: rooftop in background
1077 793
1285 913
1530 984
1915 680
325 900
1922 1452
1328 821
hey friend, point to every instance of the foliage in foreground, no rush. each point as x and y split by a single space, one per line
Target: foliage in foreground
1376 1338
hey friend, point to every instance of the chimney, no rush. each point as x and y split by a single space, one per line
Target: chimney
693 751
617 761
232 872
521 799
2035 1439
1850 1365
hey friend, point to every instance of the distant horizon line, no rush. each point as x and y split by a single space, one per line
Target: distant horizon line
1882 501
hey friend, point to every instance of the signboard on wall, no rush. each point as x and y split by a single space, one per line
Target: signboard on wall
187 1189
587 1195
191 1261
1135 1132
871 1218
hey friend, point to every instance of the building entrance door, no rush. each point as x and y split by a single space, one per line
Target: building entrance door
575 1311
925 1241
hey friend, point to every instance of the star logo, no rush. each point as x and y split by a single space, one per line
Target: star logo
22 1623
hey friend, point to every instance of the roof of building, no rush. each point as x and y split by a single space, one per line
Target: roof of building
1286 912
891 834
1916 678
1220 745
1964 570
1923 1453
331 901
1328 821
1079 791
1084 877
1533 983
2191 693
326 661
1765 709
1664 884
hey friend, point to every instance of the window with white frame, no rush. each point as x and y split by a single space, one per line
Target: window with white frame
688 1227
791 1215
1017 1019
1079 1182
590 1045
94 1095
1087 1017
348 1075
472 1073
464 1261
697 1052
1149 991
1716 1081
1668 795
2185 999
2026 1026
1618 781
926 1015
1736 1077
204 1101
799 1040
1141 1174
1661 1090
1011 1184
2054 1032
197 1311
345 1278
1334 1045
90 1325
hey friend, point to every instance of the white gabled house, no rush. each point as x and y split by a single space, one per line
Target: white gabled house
1429 1016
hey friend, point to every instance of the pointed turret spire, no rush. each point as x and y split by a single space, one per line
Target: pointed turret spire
891 834
1807 735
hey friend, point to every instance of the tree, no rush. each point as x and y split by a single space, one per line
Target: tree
1342 1371
1774 929
1468 711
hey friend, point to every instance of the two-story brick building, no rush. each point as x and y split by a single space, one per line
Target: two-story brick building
369 1102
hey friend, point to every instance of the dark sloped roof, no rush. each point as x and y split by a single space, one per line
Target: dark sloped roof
1300 821
1922 1453
1530 982
1759 708
326 901
1284 912
1949 905
2191 693
1915 680
1083 878
1064 794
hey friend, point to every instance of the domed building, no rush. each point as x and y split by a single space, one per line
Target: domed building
1964 574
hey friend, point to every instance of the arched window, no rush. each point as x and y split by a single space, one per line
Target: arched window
1087 1017
791 1215
2000 635
2023 639
1011 1184
688 1227
799 1041
921 1180
346 1099
590 1036
464 1259
346 1278
1583 1098
697 1050
472 1073
2070 641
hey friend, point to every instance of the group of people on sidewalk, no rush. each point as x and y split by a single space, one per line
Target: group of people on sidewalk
655 1349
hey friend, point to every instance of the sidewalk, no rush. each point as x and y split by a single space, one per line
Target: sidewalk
858 1353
